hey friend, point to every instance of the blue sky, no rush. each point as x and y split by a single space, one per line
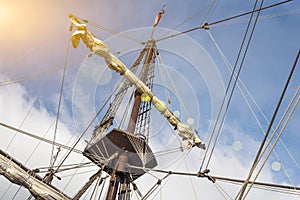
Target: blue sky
35 38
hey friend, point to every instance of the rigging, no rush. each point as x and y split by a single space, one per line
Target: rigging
228 91
206 25
279 135
255 162
213 178
241 87
53 157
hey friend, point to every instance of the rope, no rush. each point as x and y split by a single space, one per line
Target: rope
212 9
169 172
105 178
269 128
31 152
160 60
95 191
154 187
222 191
228 87
74 173
192 16
125 115
225 179
238 73
252 111
32 105
68 167
250 12
40 138
80 173
53 158
260 18
51 71
16 193
273 146
206 25
111 31
168 151
161 69
30 77
190 179
85 130
267 187
9 186
174 86
22 123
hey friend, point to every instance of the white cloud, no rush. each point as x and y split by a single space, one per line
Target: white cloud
15 102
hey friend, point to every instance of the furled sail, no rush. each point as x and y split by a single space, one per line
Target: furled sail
99 48
17 173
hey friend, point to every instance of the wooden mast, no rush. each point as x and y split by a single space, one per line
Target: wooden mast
124 148
99 48
137 98
117 178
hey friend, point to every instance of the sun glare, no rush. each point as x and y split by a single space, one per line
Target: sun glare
4 15
3 12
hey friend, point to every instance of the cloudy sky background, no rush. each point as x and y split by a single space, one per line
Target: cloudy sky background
34 38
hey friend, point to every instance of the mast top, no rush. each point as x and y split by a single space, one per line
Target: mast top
99 48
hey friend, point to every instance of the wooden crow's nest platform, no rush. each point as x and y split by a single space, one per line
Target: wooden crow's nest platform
107 150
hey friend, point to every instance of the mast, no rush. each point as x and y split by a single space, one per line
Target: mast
143 78
120 148
99 48
126 152
118 177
